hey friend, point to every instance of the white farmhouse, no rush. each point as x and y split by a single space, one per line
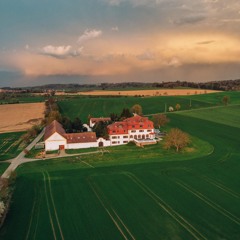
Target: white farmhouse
57 139
137 128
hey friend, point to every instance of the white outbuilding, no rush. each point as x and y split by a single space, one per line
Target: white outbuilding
56 138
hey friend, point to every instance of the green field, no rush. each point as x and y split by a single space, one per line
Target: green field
11 145
23 98
103 106
137 193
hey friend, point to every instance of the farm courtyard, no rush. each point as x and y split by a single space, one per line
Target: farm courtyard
132 193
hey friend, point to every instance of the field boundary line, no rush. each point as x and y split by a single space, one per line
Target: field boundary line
215 183
31 219
221 186
55 211
49 213
191 110
209 202
38 212
111 214
123 224
88 164
175 215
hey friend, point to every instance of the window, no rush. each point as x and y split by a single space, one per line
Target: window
133 131
141 131
125 136
114 137
113 131
131 136
149 130
125 141
141 126
114 142
133 126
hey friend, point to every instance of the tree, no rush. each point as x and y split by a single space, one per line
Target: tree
137 109
2 208
225 100
178 106
176 139
67 124
114 117
160 120
101 129
77 125
125 113
54 115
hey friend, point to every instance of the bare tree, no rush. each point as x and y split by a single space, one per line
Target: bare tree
137 109
160 120
225 100
178 106
176 139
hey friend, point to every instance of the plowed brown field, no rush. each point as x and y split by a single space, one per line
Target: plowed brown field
156 92
152 92
20 117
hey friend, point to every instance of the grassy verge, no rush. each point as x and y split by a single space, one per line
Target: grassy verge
11 145
3 167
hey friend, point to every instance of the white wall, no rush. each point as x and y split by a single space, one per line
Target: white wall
106 143
125 138
81 145
53 142
119 139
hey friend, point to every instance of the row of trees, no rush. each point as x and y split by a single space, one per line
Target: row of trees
6 191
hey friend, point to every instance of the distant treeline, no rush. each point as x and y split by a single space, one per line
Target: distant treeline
225 85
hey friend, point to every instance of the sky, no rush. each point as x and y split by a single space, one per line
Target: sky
95 41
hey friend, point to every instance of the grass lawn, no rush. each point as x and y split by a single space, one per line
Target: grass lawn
23 99
103 106
229 115
136 193
78 106
3 167
10 145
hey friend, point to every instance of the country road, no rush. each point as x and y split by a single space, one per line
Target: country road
21 157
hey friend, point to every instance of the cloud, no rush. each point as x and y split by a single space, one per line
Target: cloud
175 62
115 29
231 20
89 34
205 42
146 56
60 52
134 2
191 19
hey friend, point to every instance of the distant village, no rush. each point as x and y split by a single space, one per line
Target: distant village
223 85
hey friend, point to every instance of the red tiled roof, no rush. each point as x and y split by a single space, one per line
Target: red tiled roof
133 123
55 126
84 137
136 119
